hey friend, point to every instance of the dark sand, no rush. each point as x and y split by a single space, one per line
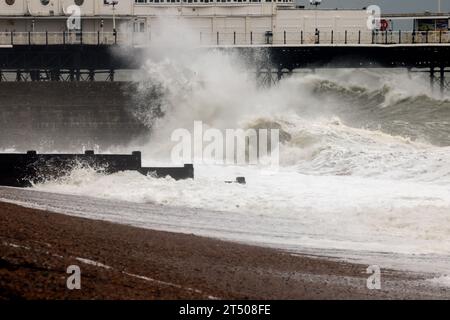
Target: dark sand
36 247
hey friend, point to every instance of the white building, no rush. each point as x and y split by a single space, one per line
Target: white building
215 21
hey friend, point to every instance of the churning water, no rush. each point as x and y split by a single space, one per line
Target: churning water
364 159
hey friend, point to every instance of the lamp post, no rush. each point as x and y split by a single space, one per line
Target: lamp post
316 3
102 23
112 3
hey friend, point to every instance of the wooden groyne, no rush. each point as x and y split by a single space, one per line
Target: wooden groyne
25 169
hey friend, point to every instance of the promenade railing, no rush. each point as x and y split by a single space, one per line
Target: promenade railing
231 38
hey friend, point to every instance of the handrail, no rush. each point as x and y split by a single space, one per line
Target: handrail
232 38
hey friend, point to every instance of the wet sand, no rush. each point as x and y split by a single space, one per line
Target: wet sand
124 262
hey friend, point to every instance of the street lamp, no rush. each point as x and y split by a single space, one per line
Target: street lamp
316 3
112 3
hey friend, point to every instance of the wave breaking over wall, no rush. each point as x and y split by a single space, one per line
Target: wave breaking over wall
365 165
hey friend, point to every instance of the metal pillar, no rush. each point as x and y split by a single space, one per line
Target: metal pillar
19 75
283 73
71 75
91 75
264 76
267 76
55 75
35 75
111 75
439 78
78 74
432 78
279 74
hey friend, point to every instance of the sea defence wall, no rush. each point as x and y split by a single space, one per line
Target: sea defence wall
67 116
22 170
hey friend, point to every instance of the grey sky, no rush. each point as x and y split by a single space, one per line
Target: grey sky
387 6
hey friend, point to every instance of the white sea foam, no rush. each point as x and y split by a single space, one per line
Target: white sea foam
342 184
442 281
346 212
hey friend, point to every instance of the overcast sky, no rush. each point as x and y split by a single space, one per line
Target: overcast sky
387 6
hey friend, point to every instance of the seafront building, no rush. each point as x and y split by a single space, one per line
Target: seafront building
214 21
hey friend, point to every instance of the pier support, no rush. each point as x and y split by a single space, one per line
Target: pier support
24 75
443 83
281 73
55 75
91 75
111 75
268 76
438 77
265 77
432 79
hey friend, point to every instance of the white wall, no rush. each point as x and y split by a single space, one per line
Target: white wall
19 8
324 20
226 18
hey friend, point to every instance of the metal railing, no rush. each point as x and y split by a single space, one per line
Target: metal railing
61 38
288 37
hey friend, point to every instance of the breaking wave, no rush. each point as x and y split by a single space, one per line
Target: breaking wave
365 154
370 123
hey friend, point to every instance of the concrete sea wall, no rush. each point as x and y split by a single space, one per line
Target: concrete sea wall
66 116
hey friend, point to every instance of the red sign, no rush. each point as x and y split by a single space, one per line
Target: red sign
384 24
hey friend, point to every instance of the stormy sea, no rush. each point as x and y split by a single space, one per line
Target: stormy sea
364 162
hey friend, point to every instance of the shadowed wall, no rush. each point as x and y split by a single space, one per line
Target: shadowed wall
66 115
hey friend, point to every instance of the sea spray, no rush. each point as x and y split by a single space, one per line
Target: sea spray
364 162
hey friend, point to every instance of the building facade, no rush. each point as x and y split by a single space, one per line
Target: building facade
215 21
